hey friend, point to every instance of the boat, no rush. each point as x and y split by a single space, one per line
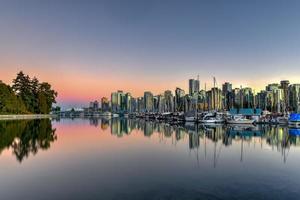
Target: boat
239 119
178 116
190 118
115 115
105 114
282 120
212 118
294 120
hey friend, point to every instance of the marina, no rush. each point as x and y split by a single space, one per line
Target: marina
244 116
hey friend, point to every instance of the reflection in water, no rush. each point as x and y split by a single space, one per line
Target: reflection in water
277 137
26 136
138 159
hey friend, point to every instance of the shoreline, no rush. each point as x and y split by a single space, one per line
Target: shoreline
25 116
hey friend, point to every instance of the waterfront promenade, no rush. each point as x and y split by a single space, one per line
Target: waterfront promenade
27 116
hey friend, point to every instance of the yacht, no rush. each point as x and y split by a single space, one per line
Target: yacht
282 120
115 115
294 120
106 114
212 118
190 118
239 119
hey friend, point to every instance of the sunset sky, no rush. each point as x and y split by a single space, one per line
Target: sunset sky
87 49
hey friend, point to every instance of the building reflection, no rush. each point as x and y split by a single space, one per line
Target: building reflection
277 137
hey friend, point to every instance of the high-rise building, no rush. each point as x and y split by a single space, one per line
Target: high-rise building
226 87
155 103
272 86
284 85
227 94
169 99
237 98
247 98
274 98
179 99
116 101
278 103
214 99
149 104
261 100
161 103
104 104
194 86
294 97
190 103
127 102
133 105
94 106
140 104
202 101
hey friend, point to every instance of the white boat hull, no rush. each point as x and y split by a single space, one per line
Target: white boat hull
211 121
295 124
240 122
190 119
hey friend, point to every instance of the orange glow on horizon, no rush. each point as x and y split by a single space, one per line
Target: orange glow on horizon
84 87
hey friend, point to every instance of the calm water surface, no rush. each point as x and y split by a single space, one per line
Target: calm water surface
135 159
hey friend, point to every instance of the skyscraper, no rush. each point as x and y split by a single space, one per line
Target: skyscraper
227 94
116 100
247 98
94 106
169 101
284 85
127 102
140 104
179 99
148 98
214 99
104 104
294 97
194 86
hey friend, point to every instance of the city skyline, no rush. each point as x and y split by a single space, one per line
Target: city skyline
86 51
277 98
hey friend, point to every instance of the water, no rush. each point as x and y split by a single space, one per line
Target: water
135 159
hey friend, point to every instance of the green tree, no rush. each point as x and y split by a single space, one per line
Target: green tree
9 102
34 87
42 103
46 97
22 88
37 97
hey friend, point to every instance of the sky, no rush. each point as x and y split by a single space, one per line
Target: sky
87 49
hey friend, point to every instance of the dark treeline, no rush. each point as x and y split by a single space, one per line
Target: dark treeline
26 95
26 137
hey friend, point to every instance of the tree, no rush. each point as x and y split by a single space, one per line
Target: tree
22 88
37 97
34 87
46 97
9 102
